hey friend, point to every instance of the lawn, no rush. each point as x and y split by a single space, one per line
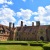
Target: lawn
23 45
19 47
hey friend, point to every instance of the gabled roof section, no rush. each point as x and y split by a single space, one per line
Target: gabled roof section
27 29
5 28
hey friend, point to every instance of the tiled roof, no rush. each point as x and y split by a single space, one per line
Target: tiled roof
27 29
6 28
31 28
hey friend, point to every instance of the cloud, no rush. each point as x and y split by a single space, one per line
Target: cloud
24 0
5 5
6 16
43 15
19 22
25 14
6 2
28 23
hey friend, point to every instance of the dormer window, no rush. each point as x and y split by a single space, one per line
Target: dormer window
1 31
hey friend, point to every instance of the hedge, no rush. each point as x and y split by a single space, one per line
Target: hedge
46 47
13 44
36 44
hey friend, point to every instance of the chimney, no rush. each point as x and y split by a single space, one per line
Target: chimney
21 23
37 23
13 25
10 25
32 23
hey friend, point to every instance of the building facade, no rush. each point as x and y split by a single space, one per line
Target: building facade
25 33
33 33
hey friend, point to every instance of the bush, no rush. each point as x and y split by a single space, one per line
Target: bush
13 44
36 44
46 47
24 44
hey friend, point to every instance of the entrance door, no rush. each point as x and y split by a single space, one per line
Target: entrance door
42 38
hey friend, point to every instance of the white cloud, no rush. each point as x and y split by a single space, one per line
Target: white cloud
5 22
19 22
43 15
28 23
25 14
6 15
41 11
4 6
6 2
24 0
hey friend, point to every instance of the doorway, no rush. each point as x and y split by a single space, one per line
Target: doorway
42 38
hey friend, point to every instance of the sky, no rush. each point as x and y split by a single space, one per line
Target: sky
27 11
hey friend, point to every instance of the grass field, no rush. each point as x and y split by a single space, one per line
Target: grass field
19 47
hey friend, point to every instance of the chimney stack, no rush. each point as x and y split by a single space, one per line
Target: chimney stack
10 25
32 23
37 23
21 23
13 25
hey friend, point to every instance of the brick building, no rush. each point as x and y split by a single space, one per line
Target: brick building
38 32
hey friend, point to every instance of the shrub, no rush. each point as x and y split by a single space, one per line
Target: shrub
13 44
24 44
46 46
36 44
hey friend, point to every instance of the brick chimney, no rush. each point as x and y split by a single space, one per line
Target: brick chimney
10 25
21 23
13 25
37 23
32 23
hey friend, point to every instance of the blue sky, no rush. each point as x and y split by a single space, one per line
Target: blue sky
27 11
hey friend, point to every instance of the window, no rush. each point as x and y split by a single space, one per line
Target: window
24 38
30 30
33 33
17 38
1 31
17 33
46 31
27 38
41 31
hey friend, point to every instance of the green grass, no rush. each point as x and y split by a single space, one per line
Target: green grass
21 41
19 47
22 47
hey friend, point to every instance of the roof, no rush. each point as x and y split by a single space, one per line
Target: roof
5 28
31 29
